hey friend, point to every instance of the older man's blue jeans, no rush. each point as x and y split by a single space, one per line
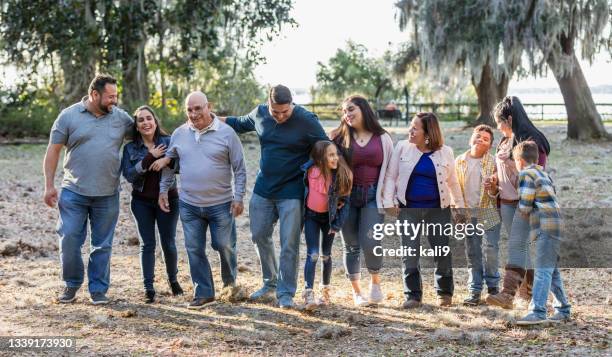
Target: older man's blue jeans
263 214
196 221
102 213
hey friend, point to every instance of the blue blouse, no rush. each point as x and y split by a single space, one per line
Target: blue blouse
422 190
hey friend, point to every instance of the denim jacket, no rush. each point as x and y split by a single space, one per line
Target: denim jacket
131 163
337 217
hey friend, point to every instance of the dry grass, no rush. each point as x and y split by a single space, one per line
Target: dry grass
29 282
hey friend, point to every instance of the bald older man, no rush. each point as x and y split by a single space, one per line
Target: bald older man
208 152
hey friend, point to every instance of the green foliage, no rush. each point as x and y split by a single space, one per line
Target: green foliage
452 36
557 27
353 71
159 51
126 37
220 83
28 112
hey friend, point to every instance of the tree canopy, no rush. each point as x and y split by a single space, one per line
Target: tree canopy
490 40
127 38
352 70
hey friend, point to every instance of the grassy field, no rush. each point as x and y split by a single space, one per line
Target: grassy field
29 282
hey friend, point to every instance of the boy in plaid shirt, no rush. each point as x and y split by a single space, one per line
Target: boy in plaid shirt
538 201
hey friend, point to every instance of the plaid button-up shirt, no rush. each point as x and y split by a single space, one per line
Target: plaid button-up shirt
538 199
487 211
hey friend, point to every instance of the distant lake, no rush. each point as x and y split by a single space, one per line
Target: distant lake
530 98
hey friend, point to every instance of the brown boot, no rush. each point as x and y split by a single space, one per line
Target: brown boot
513 277
524 291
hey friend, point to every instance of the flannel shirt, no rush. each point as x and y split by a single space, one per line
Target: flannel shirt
538 199
487 211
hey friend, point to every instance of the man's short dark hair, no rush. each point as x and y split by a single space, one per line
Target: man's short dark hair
526 150
279 94
100 81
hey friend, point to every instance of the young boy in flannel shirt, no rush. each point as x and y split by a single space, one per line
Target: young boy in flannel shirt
538 201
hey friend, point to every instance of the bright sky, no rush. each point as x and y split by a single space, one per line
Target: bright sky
326 25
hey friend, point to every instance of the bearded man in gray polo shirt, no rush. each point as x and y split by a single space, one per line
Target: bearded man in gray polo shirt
92 131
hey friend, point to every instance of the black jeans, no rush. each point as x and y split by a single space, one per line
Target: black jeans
413 286
316 224
147 213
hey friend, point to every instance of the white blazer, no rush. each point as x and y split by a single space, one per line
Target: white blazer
404 159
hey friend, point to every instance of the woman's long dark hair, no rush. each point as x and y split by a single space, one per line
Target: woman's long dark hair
159 131
344 132
522 128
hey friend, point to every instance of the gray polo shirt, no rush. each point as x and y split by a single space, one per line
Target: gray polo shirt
92 162
207 161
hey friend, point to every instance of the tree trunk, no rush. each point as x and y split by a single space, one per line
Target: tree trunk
135 81
489 92
133 64
77 76
79 68
160 50
583 120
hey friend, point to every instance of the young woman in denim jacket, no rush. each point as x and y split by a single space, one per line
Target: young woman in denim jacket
141 168
328 181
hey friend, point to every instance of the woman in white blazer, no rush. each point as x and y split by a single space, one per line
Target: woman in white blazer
421 179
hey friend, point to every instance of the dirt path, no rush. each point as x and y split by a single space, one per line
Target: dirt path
29 281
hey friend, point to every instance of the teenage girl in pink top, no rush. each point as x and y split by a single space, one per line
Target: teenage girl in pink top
328 181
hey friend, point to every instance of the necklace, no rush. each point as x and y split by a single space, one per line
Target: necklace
362 139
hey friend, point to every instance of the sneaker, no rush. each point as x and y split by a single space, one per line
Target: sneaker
263 294
176 288
558 318
445 300
492 291
68 295
359 300
309 299
285 302
376 295
411 303
149 296
99 299
325 298
472 300
531 319
198 303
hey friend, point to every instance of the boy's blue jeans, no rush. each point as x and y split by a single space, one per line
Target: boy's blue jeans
547 277
102 213
483 259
